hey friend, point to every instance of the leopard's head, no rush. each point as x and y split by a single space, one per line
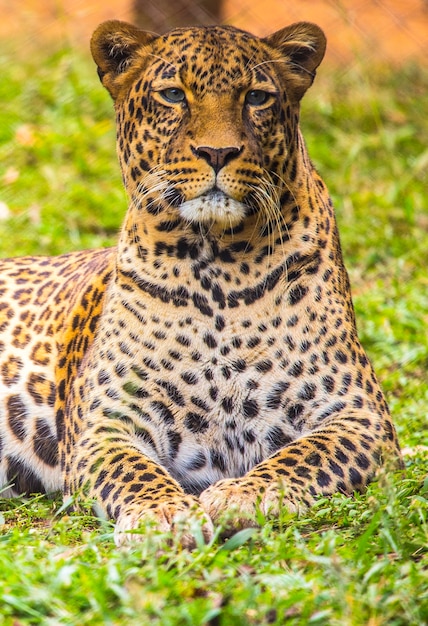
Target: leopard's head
207 117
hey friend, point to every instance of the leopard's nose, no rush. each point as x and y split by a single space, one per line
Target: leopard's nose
217 157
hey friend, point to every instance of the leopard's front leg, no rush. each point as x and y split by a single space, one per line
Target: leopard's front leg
131 487
341 456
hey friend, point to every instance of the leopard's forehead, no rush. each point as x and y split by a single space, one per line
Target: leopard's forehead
204 41
217 57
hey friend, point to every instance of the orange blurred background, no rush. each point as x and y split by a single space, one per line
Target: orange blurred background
392 31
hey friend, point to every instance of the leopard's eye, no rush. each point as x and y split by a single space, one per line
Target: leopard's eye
173 94
256 97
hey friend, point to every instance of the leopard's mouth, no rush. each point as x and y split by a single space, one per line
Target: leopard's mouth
215 207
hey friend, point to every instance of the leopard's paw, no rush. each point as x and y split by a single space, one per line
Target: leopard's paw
241 503
183 517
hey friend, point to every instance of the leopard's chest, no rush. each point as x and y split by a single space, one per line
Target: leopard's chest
209 398
229 415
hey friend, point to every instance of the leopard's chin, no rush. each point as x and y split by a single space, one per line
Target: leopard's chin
214 207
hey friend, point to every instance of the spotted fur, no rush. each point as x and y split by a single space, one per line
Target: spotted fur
210 362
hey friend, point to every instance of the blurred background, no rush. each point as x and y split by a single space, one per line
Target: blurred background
370 30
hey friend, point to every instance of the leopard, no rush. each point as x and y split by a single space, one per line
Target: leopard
207 369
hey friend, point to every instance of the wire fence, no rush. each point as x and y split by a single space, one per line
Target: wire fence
375 31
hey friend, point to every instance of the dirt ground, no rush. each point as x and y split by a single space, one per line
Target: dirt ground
387 30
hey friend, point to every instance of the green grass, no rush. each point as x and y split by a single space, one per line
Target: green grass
359 561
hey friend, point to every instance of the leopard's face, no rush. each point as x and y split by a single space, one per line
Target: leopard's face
200 141
215 135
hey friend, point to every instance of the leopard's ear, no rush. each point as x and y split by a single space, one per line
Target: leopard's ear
114 46
302 46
